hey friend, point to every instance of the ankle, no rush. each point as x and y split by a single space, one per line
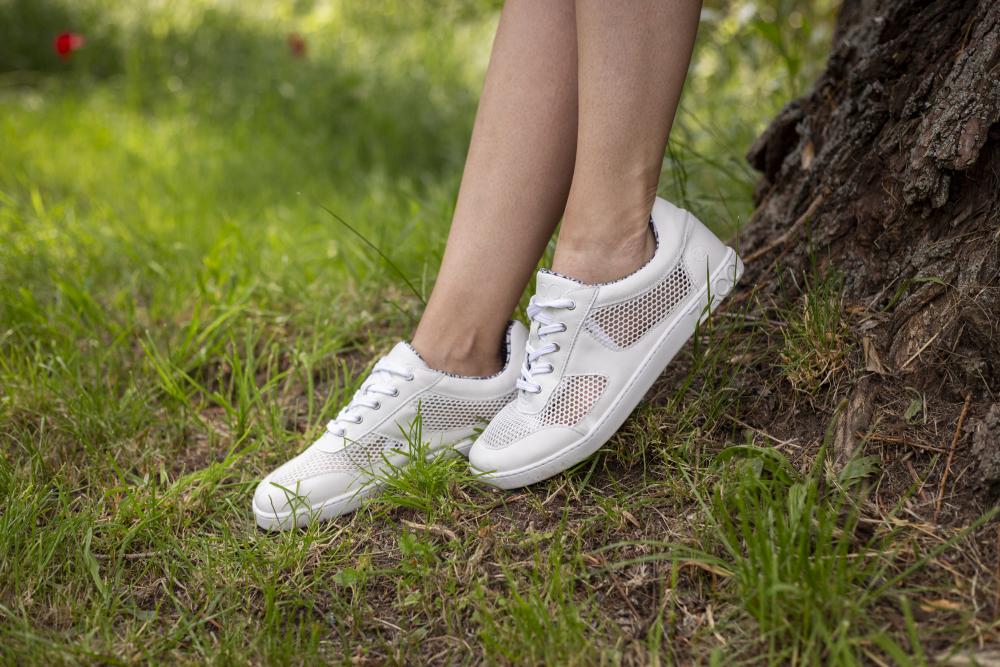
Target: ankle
458 353
603 259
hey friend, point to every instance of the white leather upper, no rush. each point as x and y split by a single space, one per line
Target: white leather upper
452 409
635 310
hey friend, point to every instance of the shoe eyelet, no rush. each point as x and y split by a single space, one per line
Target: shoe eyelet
395 392
557 347
378 404
572 305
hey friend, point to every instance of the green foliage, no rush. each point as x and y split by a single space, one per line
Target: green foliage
179 313
791 547
428 479
751 58
536 620
28 29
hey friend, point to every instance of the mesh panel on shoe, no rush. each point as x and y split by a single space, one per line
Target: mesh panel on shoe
439 413
621 325
572 399
569 403
509 426
362 454
446 413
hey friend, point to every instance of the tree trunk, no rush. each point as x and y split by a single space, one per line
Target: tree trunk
888 172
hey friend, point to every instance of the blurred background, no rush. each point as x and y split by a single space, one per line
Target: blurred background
179 144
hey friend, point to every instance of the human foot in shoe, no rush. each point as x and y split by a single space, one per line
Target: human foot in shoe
595 350
366 441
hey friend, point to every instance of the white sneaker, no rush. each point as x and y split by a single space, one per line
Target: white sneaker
368 440
595 350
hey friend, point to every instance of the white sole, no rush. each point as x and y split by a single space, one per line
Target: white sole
300 517
680 330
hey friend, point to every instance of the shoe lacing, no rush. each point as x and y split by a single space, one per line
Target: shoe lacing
546 325
381 381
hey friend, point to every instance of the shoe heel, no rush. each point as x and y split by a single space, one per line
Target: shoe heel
720 285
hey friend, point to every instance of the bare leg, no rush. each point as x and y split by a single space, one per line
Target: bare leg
633 57
514 189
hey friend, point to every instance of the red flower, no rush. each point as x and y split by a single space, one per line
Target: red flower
68 42
297 45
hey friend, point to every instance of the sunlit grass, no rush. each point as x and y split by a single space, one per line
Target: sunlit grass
180 313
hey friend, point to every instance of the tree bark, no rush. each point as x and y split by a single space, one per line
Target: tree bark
888 172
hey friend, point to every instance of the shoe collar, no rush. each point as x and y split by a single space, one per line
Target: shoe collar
508 354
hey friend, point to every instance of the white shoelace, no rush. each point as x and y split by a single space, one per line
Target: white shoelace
546 325
380 382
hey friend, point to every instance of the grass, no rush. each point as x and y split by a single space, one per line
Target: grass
791 549
816 338
426 481
207 241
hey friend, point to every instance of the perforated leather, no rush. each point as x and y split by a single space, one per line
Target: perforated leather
569 403
438 412
621 325
360 455
446 413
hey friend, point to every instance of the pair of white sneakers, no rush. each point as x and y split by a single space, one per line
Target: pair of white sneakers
592 353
